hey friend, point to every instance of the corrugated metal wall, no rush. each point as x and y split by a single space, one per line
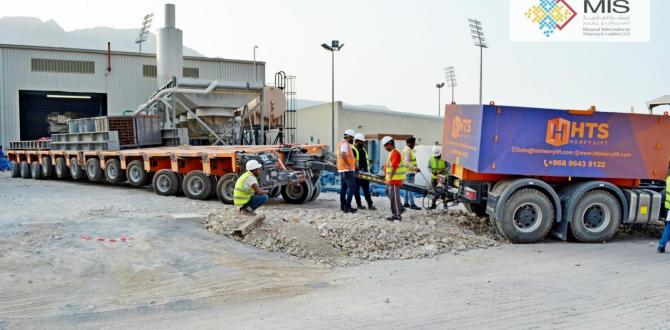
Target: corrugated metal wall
125 86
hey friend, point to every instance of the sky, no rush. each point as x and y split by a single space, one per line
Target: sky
396 51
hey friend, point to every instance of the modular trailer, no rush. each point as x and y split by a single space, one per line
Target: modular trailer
577 173
199 172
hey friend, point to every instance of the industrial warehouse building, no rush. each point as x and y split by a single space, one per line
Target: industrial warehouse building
314 124
40 87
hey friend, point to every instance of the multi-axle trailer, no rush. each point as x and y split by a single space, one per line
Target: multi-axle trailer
197 172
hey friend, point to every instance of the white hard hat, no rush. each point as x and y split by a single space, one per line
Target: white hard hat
253 164
350 132
437 151
386 140
359 137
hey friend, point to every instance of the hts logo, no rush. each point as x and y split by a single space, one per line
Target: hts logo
460 126
561 132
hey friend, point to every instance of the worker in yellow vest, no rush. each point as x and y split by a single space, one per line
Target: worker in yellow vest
409 159
346 166
248 196
666 233
362 164
394 173
437 166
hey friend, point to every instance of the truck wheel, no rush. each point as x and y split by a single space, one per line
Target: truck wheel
113 171
165 183
527 217
225 188
597 217
197 185
93 170
137 176
25 170
16 170
61 169
75 170
317 191
47 167
36 170
296 192
477 209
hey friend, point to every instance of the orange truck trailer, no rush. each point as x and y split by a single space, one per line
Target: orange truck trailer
574 173
199 172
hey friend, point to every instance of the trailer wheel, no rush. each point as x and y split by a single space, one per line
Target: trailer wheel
16 170
75 170
317 191
197 185
597 217
165 183
113 171
527 217
225 188
477 209
36 170
47 167
93 170
25 170
61 169
296 192
137 176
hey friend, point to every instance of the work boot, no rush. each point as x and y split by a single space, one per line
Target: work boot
414 207
372 208
352 210
660 249
247 211
405 205
394 218
360 207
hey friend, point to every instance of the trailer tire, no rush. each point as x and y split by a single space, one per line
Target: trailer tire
225 188
197 185
165 183
476 209
76 172
528 216
16 170
296 192
36 170
61 169
137 176
113 171
25 170
317 191
47 167
93 170
597 217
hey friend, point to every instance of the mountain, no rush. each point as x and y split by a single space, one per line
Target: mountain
35 32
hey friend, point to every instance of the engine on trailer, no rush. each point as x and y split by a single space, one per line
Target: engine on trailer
272 175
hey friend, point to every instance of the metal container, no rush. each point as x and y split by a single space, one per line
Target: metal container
73 126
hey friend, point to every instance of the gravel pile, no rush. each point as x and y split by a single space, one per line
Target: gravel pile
323 234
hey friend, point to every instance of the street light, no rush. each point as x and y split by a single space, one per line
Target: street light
439 98
480 41
144 30
255 47
335 46
450 74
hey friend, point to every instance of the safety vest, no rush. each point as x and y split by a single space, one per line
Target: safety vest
412 158
341 166
667 193
243 195
437 165
356 155
401 171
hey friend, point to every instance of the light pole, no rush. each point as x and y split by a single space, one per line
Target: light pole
480 41
335 46
450 74
144 31
439 98
255 47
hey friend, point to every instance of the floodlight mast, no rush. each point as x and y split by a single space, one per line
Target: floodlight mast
450 75
477 32
144 30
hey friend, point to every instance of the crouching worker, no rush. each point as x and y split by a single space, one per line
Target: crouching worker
248 195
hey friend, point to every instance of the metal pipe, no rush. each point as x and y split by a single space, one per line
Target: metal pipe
332 109
166 91
262 121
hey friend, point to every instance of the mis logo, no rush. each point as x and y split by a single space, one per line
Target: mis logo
561 132
551 15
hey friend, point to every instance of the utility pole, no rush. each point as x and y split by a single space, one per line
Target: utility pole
334 46
480 41
439 98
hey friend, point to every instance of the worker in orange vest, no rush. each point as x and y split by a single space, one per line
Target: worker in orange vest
394 174
346 166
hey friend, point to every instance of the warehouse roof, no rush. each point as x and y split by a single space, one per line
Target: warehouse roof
663 100
374 110
99 51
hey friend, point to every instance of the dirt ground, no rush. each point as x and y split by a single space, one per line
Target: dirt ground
81 255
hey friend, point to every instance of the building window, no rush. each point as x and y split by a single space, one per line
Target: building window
151 72
62 66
